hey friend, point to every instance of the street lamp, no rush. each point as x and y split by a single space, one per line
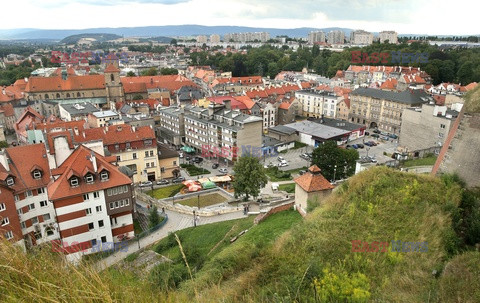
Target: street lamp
198 201
194 219
334 172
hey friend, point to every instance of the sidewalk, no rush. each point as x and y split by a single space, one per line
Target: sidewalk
175 222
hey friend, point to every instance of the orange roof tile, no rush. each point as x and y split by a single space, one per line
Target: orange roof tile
77 162
111 69
56 83
313 180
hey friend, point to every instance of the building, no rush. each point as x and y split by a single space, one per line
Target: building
311 187
247 37
25 122
93 202
318 103
383 109
390 36
168 161
425 127
221 132
201 39
316 37
214 38
283 133
101 118
25 175
287 111
171 127
361 37
343 109
269 115
355 130
336 37
69 112
314 134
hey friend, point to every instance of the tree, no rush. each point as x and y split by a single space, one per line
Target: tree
3 144
150 72
153 217
173 42
250 177
334 162
131 74
137 97
168 71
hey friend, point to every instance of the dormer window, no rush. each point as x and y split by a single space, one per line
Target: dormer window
148 142
89 178
104 176
10 181
74 182
37 174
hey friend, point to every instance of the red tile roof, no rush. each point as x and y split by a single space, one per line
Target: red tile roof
56 83
249 103
234 103
313 180
111 69
152 103
142 83
389 84
285 105
24 159
75 164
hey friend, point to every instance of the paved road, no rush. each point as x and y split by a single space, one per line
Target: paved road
176 221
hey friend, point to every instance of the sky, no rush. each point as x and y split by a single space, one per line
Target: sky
403 16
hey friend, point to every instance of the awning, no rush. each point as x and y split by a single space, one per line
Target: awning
208 184
188 149
221 179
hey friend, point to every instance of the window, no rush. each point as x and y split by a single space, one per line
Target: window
74 182
85 197
127 201
134 155
16 198
96 194
90 226
122 203
442 125
112 206
162 169
104 239
116 204
5 221
20 211
28 193
118 159
98 209
46 217
116 146
10 181
174 162
37 174
148 164
43 203
88 211
146 153
151 153
104 176
31 206
2 206
23 225
9 235
34 220
41 190
94 242
113 221
100 223
127 145
148 142
89 178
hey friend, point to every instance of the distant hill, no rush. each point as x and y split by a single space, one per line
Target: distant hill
156 31
102 37
160 39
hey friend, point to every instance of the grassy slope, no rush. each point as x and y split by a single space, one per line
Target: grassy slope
166 191
472 103
377 205
420 162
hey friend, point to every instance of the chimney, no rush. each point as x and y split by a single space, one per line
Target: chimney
94 161
228 104
4 160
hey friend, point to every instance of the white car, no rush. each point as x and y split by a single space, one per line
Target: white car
145 184
281 159
223 170
282 164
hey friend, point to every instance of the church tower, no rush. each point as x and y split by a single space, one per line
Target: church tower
113 85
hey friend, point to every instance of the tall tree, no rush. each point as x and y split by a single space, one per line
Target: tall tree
250 177
335 163
153 217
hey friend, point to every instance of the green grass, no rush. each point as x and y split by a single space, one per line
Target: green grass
296 171
289 188
274 174
205 200
194 170
420 162
299 145
165 192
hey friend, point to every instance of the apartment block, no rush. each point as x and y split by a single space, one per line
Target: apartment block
336 37
214 38
361 37
390 36
26 215
171 125
315 37
318 103
383 109
93 201
221 131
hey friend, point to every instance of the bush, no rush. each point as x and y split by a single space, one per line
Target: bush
168 276
194 170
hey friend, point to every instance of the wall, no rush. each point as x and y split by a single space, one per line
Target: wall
272 211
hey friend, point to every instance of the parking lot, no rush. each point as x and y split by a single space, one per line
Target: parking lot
376 151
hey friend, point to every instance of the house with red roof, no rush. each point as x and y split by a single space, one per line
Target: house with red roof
26 122
311 187
93 202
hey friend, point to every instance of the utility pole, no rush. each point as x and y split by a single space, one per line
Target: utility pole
194 220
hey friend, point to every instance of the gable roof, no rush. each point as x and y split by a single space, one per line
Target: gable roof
77 162
56 83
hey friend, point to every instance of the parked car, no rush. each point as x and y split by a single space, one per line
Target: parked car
305 156
145 184
302 172
367 134
376 131
393 136
386 138
280 158
372 159
348 147
162 182
368 143
282 164
223 170
268 165
215 165
198 159
373 143
178 180
360 145
384 134
375 136
187 158
180 154
355 146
